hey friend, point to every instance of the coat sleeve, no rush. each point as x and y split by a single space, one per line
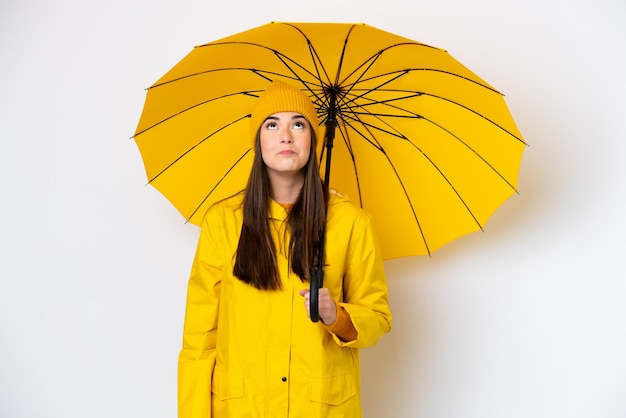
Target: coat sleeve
197 357
365 286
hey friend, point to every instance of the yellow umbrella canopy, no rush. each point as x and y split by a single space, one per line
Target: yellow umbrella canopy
421 142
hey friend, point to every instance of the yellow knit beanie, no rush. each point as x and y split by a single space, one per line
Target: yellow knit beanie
281 97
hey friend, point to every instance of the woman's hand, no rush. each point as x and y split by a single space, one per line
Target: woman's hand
326 305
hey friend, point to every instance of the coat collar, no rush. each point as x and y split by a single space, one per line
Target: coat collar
279 213
276 211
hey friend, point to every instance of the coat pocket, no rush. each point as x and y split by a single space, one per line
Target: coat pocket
227 385
333 390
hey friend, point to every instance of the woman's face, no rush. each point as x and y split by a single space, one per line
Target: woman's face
285 140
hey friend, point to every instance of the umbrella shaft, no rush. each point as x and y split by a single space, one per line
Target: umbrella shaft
317 279
328 144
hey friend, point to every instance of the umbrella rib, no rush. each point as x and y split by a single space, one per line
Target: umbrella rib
343 54
299 78
397 175
254 93
403 137
371 60
314 56
434 165
399 74
348 144
275 52
368 126
456 192
374 57
216 185
412 94
288 62
508 183
368 63
380 117
188 151
182 111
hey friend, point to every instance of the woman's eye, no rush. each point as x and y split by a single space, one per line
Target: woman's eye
298 125
271 125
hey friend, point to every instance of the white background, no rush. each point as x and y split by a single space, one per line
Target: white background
527 319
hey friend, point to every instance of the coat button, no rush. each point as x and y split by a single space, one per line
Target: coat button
284 379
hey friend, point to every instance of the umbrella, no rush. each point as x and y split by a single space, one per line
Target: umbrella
417 139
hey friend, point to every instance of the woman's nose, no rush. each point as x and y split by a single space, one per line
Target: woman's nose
286 137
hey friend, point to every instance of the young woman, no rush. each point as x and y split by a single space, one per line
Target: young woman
249 348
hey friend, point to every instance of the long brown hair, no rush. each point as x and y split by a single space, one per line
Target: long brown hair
255 261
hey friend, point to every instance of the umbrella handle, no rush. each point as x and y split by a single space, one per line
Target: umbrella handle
317 281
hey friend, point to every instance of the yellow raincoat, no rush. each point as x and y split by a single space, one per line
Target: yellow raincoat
254 353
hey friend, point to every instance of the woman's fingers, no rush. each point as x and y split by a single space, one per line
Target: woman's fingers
306 294
326 305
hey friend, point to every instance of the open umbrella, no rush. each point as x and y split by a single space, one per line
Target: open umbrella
417 139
